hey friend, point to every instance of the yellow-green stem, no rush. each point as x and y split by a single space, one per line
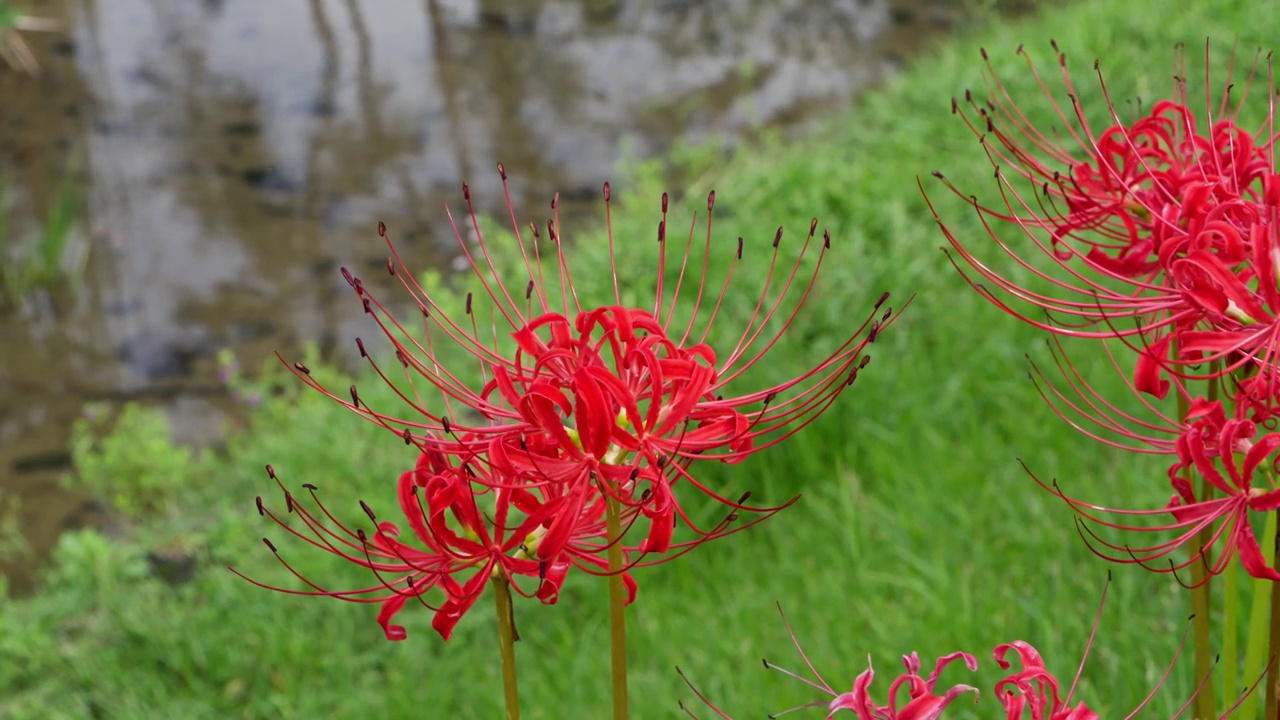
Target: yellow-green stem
507 645
617 601
1201 604
1272 711
1203 707
1255 652
1230 632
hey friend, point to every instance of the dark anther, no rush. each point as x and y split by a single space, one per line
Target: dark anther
991 127
853 375
302 368
1019 51
444 422
346 275
270 547
425 312
1054 44
939 175
551 230
744 497
968 95
528 290
664 203
310 486
777 237
466 192
408 436
1097 63
883 297
984 53
360 533
635 473
644 496
502 171
382 229
813 226
368 307
542 566
534 227
887 313
288 502
262 512
607 191
773 395
271 472
739 247
662 231
468 303
1046 189
360 344
865 359
355 398
955 106
711 200
873 332
404 361
662 462
368 511
555 201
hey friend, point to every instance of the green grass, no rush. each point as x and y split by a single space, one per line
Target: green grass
918 529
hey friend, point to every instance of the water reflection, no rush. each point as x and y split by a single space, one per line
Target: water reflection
236 151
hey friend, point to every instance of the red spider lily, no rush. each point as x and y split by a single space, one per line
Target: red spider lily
464 527
576 394
1226 453
1156 230
921 701
1034 689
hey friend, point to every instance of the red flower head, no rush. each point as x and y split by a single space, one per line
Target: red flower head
468 530
612 396
1157 229
921 701
1228 454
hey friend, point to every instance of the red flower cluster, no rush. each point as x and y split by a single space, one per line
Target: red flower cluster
573 409
1031 693
1163 234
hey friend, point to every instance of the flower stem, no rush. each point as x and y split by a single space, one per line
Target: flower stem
1255 647
1201 605
617 601
507 645
1272 708
1204 705
1230 632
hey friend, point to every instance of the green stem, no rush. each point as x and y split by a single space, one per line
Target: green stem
1201 604
1203 707
1230 631
1255 646
1272 711
617 600
507 645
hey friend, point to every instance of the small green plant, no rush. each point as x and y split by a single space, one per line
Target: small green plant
129 463
51 257
13 546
